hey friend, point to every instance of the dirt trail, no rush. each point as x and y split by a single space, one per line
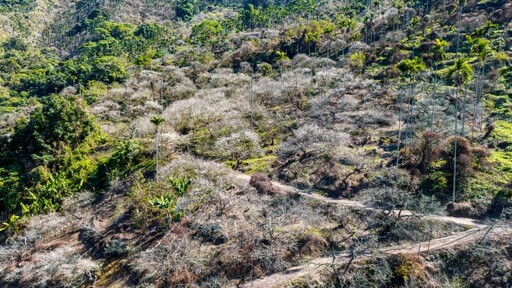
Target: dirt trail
340 259
479 230
352 203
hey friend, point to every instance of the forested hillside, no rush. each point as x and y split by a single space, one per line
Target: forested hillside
255 143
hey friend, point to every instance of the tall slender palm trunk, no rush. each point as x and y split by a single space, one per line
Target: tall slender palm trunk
399 130
463 120
454 188
456 116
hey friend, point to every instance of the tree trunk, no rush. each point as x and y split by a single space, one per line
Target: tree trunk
455 152
157 151
251 102
433 103
464 111
459 27
399 130
411 124
475 103
408 127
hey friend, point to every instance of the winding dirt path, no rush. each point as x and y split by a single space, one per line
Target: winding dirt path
478 231
352 203
315 265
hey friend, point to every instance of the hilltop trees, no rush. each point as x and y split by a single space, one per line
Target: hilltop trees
175 77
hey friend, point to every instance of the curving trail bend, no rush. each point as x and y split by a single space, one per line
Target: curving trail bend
478 231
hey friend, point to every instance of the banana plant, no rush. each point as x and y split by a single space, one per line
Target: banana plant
166 201
11 223
180 185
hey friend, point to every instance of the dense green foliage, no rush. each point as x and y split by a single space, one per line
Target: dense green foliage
47 157
186 9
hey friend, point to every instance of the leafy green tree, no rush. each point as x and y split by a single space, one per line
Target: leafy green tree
149 30
78 70
315 30
438 50
281 58
482 49
116 30
186 9
357 61
58 122
411 67
254 16
206 33
438 54
484 30
108 69
460 72
346 24
43 160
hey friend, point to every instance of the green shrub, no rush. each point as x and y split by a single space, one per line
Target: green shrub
157 202
149 30
434 183
116 248
125 158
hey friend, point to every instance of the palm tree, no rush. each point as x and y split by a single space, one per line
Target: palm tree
438 54
480 47
157 121
409 69
485 29
461 4
281 58
438 50
460 73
